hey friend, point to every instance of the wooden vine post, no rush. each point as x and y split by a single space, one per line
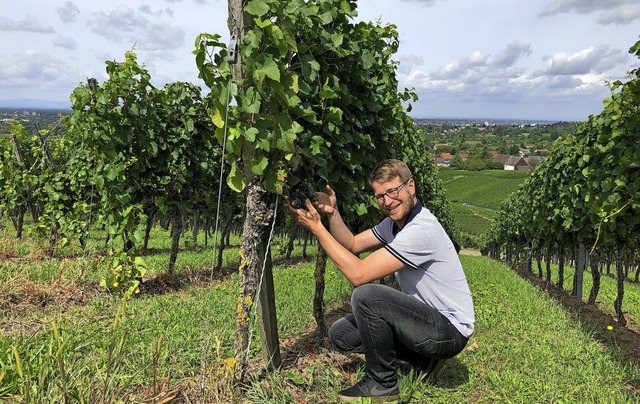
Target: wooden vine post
580 268
19 221
256 266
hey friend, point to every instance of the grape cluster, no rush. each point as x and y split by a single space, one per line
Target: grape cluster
301 192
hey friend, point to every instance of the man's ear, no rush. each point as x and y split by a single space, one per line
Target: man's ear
412 183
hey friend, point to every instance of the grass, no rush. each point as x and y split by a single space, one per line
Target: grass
526 348
530 349
186 322
607 292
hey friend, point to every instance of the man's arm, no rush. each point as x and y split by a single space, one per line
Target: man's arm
358 271
365 241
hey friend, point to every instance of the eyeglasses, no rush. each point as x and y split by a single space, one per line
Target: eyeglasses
391 193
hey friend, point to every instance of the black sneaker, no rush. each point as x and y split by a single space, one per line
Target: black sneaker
369 388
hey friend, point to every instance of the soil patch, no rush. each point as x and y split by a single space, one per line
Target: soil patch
472 253
17 307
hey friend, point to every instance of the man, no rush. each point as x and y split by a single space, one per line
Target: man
432 317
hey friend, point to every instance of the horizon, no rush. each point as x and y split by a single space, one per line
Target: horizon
41 104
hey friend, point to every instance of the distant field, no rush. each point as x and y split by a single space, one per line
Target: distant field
475 198
486 188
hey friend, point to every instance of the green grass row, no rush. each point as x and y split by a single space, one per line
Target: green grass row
607 294
487 188
472 224
526 347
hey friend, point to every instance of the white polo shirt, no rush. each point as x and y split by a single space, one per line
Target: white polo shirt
433 273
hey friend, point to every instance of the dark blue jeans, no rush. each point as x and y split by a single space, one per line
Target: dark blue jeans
387 324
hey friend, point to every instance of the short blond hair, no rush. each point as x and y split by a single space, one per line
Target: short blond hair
389 169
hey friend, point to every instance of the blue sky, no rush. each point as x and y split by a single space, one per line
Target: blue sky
539 59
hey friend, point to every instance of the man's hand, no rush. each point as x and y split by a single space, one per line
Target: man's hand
326 201
309 218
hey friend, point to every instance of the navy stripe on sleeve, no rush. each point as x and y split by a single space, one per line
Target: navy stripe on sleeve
400 257
378 235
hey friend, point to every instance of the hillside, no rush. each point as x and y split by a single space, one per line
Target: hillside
475 197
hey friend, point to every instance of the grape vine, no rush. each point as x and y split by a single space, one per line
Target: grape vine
586 193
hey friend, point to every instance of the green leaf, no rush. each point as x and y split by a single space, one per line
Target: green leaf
235 179
337 39
368 60
269 69
345 6
287 138
257 8
290 39
217 118
260 165
250 102
112 174
250 134
294 377
262 23
328 93
326 18
310 68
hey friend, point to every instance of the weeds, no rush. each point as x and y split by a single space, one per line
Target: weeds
216 383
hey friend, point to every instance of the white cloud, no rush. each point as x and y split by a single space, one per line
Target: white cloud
491 57
620 15
590 60
65 42
149 30
582 6
462 68
113 24
409 62
611 11
146 9
426 3
502 84
197 1
27 24
511 54
34 67
68 13
563 82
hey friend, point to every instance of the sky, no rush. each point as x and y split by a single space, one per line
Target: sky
502 59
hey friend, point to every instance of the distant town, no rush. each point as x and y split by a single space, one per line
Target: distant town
483 121
44 118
